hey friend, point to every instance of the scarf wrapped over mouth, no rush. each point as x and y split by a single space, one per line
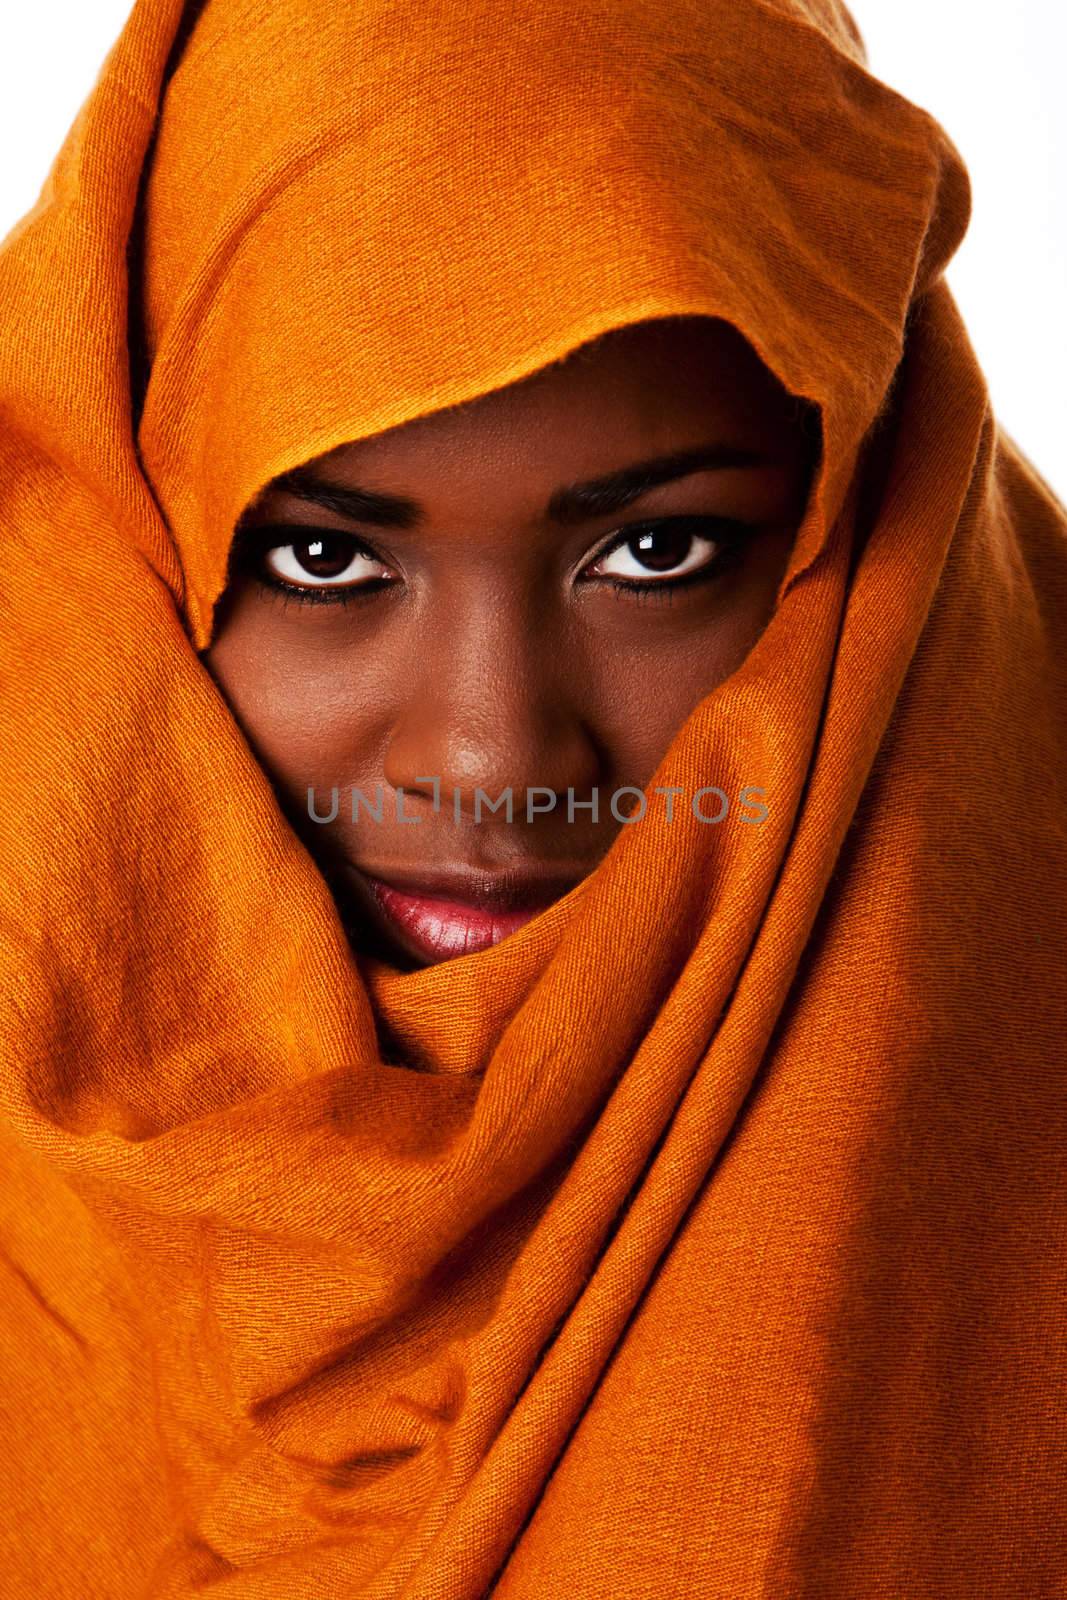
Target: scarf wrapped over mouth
705 1237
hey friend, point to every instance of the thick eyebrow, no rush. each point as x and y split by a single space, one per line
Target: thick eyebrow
575 502
359 505
600 497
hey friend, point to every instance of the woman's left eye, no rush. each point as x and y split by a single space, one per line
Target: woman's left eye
661 552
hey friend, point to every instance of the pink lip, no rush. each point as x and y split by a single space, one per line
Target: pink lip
440 928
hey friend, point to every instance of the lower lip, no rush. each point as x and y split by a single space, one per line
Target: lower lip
442 929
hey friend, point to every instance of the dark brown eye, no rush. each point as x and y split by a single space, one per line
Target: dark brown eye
660 549
325 556
667 550
324 560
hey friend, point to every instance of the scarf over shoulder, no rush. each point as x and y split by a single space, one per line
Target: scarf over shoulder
707 1237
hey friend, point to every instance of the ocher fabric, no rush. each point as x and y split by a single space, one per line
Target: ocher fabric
708 1237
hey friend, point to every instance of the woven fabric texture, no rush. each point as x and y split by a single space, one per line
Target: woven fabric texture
708 1236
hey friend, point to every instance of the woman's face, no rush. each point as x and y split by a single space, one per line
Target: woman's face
526 594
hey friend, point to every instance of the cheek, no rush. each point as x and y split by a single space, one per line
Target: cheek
312 700
664 662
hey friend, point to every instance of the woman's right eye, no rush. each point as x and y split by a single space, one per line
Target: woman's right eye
324 561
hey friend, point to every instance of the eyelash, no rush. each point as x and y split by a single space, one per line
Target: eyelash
252 544
729 534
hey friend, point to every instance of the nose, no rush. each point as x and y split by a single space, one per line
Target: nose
495 708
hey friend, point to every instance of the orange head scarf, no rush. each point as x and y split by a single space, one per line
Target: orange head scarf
706 1237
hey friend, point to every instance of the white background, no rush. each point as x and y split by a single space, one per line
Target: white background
992 72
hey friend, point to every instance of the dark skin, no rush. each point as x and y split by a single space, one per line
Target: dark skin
480 627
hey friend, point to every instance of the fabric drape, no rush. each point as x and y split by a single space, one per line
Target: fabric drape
707 1236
